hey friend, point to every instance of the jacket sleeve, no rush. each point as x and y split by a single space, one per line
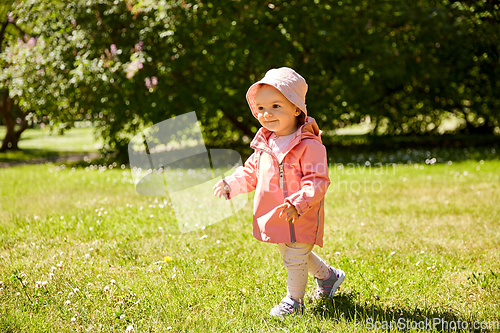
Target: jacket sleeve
244 178
315 180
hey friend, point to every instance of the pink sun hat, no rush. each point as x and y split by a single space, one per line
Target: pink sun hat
287 81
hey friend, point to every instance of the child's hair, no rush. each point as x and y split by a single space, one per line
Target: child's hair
301 118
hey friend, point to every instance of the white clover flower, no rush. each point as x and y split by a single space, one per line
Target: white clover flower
38 284
76 290
87 256
51 275
112 282
44 283
73 319
68 302
70 294
130 328
18 293
122 316
106 289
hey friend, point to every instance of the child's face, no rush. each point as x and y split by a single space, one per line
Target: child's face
275 112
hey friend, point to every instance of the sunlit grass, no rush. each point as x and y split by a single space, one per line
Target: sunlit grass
81 250
42 143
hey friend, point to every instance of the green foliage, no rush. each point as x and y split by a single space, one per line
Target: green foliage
128 65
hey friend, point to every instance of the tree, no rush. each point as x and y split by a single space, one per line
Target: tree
132 64
8 108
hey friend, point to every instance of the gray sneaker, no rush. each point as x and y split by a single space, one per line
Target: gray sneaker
328 287
287 306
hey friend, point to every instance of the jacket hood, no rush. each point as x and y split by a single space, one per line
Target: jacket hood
309 130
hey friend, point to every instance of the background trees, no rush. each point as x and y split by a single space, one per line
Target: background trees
405 66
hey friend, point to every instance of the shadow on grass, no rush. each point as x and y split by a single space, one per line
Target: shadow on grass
346 305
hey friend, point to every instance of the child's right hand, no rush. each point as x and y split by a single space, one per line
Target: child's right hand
222 189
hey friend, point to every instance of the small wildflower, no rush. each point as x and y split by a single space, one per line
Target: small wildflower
51 275
167 259
98 276
169 328
203 237
122 316
87 256
1 283
18 293
44 283
89 284
393 253
112 282
38 284
70 294
22 275
68 302
106 289
129 329
73 319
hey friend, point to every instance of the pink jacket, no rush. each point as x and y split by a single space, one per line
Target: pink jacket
301 178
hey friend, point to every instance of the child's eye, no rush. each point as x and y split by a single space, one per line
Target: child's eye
260 108
275 106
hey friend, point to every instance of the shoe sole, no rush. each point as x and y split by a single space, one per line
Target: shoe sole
336 285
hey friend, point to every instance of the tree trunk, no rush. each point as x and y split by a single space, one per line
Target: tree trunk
12 136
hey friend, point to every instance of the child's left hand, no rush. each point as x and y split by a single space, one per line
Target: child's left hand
289 212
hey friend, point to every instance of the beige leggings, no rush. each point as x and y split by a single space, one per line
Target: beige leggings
298 259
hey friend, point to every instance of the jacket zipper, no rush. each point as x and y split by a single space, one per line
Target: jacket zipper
282 185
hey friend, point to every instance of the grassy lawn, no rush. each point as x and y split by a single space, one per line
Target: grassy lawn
416 241
40 143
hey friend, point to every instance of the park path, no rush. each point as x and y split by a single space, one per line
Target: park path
54 159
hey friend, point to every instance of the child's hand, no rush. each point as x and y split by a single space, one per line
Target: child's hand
222 189
289 212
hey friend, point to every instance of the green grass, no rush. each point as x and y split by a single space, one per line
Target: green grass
416 242
41 143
